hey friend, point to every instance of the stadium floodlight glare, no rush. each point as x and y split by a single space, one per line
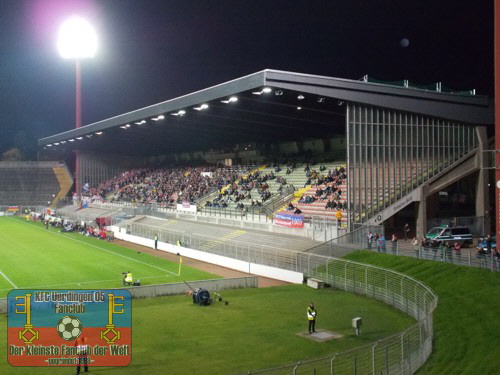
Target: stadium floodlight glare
142 122
265 90
98 133
232 99
301 97
160 117
299 108
179 113
77 39
79 138
71 140
201 107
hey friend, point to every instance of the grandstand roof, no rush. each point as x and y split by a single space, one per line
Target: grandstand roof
258 115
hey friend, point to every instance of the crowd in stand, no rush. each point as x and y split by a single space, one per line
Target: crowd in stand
328 187
236 184
165 185
241 191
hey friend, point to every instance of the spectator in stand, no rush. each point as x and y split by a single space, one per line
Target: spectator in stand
406 231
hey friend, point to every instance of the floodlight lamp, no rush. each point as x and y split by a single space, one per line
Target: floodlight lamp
63 142
321 99
299 108
232 99
160 117
79 138
98 133
301 97
142 122
49 145
201 107
257 92
278 92
77 39
71 140
266 90
56 143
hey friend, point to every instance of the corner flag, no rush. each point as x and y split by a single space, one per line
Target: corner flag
180 264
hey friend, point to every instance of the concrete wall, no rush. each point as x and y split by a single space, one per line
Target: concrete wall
148 291
239 265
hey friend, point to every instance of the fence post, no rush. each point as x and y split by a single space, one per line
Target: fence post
387 360
331 364
373 357
402 361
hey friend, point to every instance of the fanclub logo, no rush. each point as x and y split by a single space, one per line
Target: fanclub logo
69 328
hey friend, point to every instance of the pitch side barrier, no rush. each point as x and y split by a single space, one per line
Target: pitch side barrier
159 290
402 353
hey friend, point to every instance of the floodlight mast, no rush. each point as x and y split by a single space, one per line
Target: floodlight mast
77 40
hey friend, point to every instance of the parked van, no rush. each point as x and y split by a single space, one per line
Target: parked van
437 235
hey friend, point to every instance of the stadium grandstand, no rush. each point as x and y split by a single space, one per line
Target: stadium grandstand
401 146
279 174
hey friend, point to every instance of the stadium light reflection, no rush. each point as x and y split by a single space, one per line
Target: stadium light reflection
232 99
180 113
201 107
265 90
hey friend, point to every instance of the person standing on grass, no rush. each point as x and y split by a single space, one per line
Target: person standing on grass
311 317
83 351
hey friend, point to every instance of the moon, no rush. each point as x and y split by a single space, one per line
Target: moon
404 42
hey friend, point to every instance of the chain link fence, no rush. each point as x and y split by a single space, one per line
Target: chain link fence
402 353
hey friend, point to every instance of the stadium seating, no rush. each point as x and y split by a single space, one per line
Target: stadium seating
31 183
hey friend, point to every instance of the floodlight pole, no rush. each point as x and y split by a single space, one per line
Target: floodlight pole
78 120
497 114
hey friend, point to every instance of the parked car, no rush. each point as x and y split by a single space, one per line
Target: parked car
482 245
438 235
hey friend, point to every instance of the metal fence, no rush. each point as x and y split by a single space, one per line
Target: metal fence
402 353
469 257
479 226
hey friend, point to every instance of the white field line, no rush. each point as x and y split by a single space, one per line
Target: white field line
79 283
109 251
9 280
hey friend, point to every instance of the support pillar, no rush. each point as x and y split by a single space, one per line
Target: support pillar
421 226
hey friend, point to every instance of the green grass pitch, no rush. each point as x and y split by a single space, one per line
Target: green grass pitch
34 257
257 329
466 323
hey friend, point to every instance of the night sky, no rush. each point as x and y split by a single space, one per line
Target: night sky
155 50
